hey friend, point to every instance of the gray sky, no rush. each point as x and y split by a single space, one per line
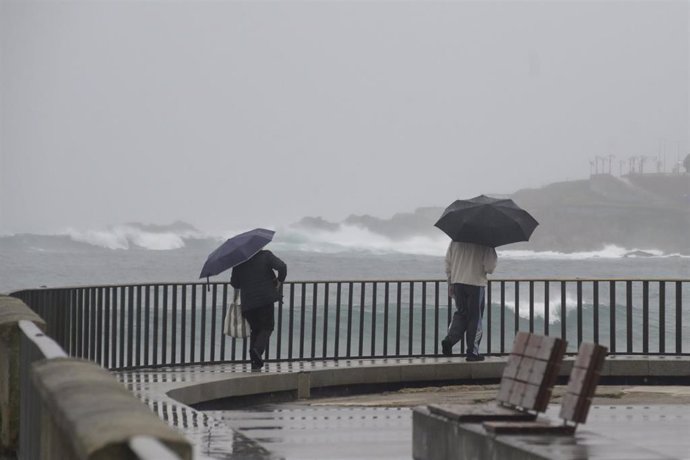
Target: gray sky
236 114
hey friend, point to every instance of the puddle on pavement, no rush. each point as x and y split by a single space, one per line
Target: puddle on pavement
298 431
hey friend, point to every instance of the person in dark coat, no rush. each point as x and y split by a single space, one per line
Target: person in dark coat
259 289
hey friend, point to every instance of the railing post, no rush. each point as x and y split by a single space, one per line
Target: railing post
437 306
372 352
662 316
579 313
531 306
564 312
302 323
595 307
679 317
410 337
279 331
325 320
645 316
503 317
362 297
612 316
156 328
517 307
183 326
398 322
314 308
423 340
338 300
224 310
546 308
291 320
629 315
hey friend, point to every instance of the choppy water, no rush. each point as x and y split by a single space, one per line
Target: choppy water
31 262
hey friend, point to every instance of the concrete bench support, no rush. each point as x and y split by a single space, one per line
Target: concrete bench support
11 312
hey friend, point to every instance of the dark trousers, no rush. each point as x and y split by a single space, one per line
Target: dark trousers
467 319
261 322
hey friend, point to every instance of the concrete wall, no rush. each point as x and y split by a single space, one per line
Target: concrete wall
90 415
11 312
74 408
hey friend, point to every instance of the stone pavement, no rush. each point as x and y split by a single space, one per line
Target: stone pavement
223 434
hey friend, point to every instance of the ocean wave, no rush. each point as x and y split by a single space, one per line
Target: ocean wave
540 306
353 238
127 236
342 239
609 251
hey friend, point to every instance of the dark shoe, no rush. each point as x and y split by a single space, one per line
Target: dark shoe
446 347
474 358
257 362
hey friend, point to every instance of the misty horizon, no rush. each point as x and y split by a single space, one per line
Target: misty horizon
183 222
235 114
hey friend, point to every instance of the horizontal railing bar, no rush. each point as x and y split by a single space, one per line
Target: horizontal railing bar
346 280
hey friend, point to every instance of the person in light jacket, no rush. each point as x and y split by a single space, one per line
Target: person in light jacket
467 265
259 289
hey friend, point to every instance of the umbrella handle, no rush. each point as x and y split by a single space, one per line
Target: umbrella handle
208 284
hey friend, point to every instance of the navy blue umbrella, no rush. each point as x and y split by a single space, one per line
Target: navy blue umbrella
487 221
238 249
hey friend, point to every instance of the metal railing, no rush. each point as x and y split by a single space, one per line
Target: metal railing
143 325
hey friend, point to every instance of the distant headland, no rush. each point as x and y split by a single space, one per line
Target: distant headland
636 210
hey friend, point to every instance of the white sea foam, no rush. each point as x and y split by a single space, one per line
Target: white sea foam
352 238
345 238
126 237
355 238
609 251
540 306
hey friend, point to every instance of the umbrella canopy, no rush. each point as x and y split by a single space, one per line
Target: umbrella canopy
238 249
487 221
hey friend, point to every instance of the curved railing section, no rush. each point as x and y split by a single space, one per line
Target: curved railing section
162 324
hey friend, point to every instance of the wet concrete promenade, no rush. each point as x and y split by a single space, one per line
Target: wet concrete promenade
299 429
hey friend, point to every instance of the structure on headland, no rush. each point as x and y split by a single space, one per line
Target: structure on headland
637 165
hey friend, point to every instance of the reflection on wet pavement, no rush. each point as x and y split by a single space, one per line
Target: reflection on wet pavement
301 431
659 429
298 431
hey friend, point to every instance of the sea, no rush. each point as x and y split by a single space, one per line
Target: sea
133 253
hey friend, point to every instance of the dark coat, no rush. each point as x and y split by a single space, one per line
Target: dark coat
257 280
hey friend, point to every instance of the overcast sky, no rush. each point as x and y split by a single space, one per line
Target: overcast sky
232 114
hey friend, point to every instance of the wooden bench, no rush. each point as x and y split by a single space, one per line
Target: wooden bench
576 401
526 383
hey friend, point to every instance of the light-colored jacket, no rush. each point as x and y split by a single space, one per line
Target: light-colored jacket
469 263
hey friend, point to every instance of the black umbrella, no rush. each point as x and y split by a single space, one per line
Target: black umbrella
238 249
487 221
